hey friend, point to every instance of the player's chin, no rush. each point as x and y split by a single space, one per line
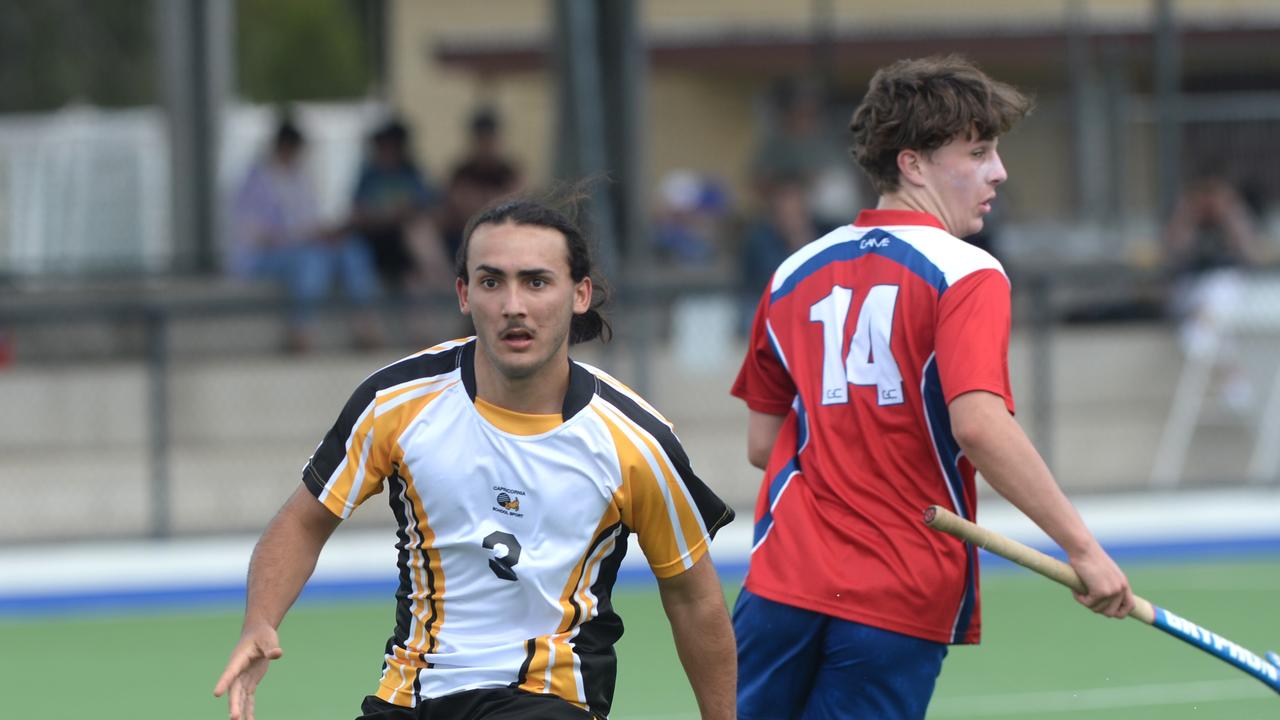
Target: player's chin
518 366
975 226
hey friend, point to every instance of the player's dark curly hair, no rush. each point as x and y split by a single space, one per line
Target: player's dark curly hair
543 213
922 105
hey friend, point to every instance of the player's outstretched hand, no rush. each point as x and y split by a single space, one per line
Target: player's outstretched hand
257 647
1109 591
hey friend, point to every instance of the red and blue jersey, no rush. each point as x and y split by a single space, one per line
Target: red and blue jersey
861 341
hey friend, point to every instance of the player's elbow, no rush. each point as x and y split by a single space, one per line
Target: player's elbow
977 422
970 435
758 455
762 432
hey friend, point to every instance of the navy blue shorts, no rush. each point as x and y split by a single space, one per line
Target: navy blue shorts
795 663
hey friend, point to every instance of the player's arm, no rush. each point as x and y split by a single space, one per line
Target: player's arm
762 431
998 448
282 562
695 607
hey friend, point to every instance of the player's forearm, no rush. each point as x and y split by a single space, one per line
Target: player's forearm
695 607
704 642
284 559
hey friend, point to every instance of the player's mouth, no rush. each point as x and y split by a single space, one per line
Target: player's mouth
985 205
518 338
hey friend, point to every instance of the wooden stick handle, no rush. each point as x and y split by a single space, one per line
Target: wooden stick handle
940 518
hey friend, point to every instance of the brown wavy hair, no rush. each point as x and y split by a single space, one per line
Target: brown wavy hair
923 104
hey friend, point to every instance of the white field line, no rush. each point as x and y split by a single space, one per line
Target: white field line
1067 701
1236 580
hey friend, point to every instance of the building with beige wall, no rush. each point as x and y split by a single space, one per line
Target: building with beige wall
1088 153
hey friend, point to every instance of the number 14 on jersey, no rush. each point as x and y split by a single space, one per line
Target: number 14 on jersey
869 361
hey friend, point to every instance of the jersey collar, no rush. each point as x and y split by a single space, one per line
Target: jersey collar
582 384
883 218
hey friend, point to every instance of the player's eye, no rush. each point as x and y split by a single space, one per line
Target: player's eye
537 283
488 283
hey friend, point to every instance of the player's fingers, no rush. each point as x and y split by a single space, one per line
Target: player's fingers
235 700
1096 603
1112 607
239 663
248 706
1124 604
1129 604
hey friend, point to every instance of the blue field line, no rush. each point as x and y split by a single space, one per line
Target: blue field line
230 596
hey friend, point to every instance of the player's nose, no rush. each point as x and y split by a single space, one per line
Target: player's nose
513 303
998 173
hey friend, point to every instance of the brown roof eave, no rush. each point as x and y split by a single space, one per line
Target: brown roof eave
783 52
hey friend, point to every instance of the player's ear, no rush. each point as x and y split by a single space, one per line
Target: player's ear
582 296
910 166
461 287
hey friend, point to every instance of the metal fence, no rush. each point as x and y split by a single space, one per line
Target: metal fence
191 422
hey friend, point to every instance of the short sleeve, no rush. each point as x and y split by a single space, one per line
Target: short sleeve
351 463
973 336
671 510
763 381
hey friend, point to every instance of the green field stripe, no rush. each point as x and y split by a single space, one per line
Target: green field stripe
1106 698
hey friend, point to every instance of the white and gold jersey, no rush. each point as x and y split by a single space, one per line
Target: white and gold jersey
511 526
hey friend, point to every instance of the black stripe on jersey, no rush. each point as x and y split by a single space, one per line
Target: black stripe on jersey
467 366
715 513
530 647
595 543
582 387
582 384
406 518
399 508
333 449
595 642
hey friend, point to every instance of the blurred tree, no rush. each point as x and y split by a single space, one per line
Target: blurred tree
57 51
301 49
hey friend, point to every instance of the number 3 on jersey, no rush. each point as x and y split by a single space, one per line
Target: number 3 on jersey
869 361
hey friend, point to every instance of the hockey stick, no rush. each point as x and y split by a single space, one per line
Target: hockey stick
1268 670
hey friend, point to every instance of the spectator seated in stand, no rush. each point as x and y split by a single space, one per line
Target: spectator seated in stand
480 178
392 212
280 235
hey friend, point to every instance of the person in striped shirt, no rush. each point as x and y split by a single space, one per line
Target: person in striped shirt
516 476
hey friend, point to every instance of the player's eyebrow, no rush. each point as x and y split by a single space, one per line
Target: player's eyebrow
528 272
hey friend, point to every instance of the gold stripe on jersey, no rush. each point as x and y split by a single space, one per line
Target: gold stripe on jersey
517 423
616 384
337 494
398 675
553 669
669 527
558 677
556 669
361 473
425 570
407 657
